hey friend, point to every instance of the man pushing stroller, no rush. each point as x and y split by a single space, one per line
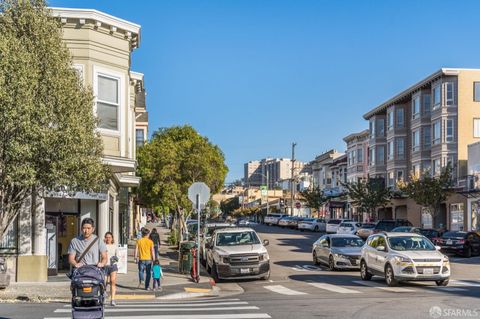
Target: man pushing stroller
87 255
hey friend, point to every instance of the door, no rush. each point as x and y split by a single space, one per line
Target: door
370 253
380 256
325 249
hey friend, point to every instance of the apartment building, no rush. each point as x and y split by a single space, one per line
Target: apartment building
101 47
357 156
424 128
321 169
252 174
277 170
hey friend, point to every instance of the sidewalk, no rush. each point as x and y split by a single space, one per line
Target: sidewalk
174 284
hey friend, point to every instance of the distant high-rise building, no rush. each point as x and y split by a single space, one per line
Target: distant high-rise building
278 169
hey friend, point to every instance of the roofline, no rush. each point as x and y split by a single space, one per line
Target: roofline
96 15
350 137
136 75
418 85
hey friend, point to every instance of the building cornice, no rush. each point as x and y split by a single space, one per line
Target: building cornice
130 29
401 96
353 136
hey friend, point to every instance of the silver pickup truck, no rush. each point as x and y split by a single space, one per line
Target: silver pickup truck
237 253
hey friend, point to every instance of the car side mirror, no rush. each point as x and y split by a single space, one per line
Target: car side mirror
266 242
381 248
438 248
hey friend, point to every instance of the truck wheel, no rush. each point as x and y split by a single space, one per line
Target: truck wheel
215 273
442 283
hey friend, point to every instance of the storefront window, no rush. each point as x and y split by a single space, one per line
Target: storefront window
456 217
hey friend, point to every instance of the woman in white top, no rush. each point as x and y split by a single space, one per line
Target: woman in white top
111 267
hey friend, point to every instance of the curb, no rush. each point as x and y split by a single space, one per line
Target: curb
214 292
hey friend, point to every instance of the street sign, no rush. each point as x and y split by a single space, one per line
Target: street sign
200 189
298 205
264 190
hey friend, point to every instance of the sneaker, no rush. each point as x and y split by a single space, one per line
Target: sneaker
113 303
140 285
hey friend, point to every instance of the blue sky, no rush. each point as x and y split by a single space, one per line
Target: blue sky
256 75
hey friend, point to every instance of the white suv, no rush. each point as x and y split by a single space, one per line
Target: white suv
403 257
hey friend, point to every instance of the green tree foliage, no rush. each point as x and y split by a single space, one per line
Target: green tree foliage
429 191
175 158
368 195
229 205
47 125
314 197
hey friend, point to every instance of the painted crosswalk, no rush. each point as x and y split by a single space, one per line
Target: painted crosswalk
195 309
359 286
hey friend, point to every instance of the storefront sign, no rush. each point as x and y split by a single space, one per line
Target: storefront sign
77 195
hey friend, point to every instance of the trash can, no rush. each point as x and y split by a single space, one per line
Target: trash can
186 258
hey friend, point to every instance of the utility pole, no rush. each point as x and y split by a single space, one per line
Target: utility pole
293 177
267 192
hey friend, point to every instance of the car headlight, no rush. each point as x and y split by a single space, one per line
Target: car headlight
341 256
402 259
445 259
263 257
224 259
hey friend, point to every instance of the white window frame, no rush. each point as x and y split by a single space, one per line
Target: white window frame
371 156
390 120
436 104
436 166
97 70
449 101
476 127
391 178
449 138
390 150
415 140
416 107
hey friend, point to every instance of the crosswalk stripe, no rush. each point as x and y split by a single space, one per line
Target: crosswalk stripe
284 290
465 283
160 305
196 316
333 288
391 289
111 310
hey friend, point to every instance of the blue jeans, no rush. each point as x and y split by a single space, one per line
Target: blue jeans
145 265
156 248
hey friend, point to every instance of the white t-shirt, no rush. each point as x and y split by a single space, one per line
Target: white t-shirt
112 250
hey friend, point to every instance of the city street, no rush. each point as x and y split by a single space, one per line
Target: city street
299 289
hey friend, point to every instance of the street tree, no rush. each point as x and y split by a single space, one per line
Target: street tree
229 205
175 158
429 191
47 125
314 198
368 195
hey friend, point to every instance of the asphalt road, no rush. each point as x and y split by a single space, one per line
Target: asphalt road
298 289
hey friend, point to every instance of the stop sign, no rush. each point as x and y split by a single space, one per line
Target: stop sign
298 205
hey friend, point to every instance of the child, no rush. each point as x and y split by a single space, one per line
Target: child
157 274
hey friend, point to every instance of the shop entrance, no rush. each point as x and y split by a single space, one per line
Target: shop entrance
61 229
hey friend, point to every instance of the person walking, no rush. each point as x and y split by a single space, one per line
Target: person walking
111 268
86 249
155 237
143 257
157 275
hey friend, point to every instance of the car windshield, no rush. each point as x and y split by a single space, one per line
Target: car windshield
212 229
308 220
402 229
335 221
347 242
368 226
404 243
455 234
237 238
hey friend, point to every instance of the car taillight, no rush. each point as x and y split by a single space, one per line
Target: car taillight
87 289
461 241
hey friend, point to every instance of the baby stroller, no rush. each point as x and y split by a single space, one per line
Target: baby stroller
88 292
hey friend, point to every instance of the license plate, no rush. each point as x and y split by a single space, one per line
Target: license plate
428 271
245 270
449 242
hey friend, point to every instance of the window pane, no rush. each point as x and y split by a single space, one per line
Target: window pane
476 91
436 95
426 104
108 116
400 148
139 137
360 155
476 128
427 136
400 117
107 89
449 88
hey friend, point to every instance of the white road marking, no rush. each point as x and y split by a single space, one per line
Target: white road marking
284 290
158 309
391 289
466 283
166 305
185 316
334 288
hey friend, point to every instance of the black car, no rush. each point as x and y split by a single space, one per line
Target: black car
461 243
432 234
389 225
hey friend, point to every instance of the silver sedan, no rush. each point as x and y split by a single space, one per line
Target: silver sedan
338 251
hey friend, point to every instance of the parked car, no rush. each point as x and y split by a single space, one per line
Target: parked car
332 224
287 221
207 233
338 251
348 228
272 219
313 224
365 230
432 234
388 225
237 253
403 257
461 243
406 229
243 222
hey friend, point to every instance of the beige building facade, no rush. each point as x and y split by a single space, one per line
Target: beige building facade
101 47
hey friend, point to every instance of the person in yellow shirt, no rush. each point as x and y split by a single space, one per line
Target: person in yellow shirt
144 255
